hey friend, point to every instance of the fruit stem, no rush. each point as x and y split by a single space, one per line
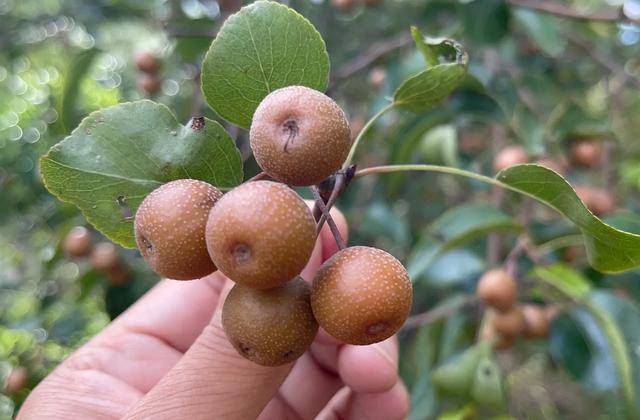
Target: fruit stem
362 132
327 215
439 313
337 189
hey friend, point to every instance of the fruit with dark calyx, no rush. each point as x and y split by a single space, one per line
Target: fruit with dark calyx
510 323
170 228
598 200
147 62
535 321
489 333
299 136
509 156
149 84
497 289
270 327
261 234
361 295
77 243
587 153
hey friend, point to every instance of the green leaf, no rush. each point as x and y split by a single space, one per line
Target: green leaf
468 222
263 47
119 154
543 28
486 21
78 67
431 86
608 249
564 278
626 316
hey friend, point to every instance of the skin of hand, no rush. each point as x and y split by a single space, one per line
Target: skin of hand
167 357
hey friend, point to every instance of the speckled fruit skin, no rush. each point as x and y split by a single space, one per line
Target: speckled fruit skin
535 321
270 327
299 136
170 228
498 289
77 243
361 295
261 234
509 156
509 323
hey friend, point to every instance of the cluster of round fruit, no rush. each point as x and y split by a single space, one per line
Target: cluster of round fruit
104 256
584 153
505 317
261 235
149 80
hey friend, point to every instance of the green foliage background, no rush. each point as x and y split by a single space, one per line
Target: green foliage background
538 81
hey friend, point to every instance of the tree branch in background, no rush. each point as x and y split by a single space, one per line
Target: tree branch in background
439 313
370 56
563 10
603 59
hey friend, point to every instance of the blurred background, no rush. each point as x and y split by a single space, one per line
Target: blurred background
555 82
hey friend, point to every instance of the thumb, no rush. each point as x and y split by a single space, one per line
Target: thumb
212 380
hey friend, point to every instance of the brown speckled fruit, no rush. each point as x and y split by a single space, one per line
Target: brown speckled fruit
587 153
509 156
598 200
535 321
299 136
361 295
170 226
147 62
509 323
261 234
497 289
105 256
270 327
77 243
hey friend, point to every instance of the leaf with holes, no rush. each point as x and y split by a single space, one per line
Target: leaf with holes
118 155
263 47
446 68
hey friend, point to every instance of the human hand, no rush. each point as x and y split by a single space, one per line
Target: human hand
168 357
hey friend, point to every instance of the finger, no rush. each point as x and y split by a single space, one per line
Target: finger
388 405
212 379
372 368
322 371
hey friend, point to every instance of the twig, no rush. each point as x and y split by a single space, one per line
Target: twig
562 10
332 224
438 313
337 189
370 56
